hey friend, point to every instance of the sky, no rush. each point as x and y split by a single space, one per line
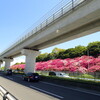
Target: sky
16 16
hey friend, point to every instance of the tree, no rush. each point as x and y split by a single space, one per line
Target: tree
77 51
57 50
42 57
19 63
63 55
94 48
57 53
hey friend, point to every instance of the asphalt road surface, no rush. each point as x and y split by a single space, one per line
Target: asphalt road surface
24 90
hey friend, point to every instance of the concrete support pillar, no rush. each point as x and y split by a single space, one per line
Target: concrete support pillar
1 63
7 63
30 59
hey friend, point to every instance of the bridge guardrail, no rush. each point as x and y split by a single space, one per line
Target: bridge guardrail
47 20
6 95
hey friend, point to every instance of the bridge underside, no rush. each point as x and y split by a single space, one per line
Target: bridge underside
77 33
80 21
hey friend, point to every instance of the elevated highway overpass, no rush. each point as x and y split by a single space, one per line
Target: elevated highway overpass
74 20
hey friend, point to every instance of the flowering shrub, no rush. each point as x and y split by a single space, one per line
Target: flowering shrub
19 66
95 68
81 64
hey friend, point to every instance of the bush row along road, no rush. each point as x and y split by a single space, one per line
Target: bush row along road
24 90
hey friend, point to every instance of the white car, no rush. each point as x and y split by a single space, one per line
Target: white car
59 74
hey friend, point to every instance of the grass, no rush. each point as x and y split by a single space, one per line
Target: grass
86 76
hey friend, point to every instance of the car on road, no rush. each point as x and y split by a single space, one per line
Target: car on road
31 77
8 72
58 74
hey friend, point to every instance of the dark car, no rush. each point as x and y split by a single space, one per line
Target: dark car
52 73
8 72
31 77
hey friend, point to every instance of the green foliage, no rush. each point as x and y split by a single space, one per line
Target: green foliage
63 54
19 63
55 53
2 68
42 57
85 76
94 48
72 52
57 50
77 51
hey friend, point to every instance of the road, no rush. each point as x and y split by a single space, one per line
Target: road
24 90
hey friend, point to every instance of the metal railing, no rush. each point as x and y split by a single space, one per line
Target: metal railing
5 95
47 20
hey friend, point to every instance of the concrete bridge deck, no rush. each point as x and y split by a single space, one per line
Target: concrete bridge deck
76 19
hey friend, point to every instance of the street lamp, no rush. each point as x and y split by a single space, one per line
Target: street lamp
88 56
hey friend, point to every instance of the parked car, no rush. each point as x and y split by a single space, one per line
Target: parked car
31 77
8 72
52 73
59 74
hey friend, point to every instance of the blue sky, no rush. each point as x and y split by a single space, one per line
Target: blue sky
16 16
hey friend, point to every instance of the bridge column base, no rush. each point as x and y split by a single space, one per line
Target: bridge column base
7 63
1 63
30 59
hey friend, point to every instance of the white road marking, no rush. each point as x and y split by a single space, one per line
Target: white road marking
98 94
46 92
10 78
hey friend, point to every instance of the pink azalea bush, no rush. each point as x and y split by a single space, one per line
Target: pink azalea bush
81 64
19 66
94 68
